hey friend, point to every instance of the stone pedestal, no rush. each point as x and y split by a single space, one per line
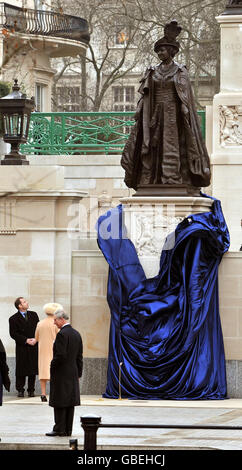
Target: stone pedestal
226 158
150 219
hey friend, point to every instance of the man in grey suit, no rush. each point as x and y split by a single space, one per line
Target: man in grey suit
65 371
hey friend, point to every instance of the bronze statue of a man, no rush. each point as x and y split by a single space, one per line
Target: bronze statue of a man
165 150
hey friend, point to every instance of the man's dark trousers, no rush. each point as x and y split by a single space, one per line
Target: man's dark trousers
64 419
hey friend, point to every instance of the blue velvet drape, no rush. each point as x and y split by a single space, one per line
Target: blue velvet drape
166 330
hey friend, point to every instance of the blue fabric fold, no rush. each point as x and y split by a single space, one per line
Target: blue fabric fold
166 330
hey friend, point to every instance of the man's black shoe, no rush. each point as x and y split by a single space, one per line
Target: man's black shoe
31 394
20 394
54 433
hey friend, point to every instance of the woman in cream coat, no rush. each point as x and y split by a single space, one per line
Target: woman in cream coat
45 334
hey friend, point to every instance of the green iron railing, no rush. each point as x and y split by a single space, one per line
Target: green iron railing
81 133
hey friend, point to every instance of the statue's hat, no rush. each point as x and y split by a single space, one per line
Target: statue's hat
171 31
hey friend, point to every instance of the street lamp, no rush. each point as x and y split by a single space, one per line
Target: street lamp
15 109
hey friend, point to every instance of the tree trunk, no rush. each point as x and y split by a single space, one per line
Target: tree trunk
83 84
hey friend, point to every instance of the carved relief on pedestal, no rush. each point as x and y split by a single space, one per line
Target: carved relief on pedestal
151 232
230 118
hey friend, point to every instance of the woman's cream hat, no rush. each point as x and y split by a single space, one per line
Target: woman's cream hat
51 308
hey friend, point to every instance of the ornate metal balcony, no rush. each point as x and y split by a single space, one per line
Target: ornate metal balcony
40 22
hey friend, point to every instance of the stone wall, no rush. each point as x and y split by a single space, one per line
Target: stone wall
230 297
35 247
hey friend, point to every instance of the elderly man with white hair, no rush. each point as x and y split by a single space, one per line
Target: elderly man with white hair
65 371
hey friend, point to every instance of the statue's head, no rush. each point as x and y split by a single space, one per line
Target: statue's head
171 31
163 49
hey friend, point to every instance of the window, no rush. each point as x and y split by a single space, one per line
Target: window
68 98
39 97
123 98
121 36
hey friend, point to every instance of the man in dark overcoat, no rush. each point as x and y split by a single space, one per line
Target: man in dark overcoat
65 371
4 372
22 327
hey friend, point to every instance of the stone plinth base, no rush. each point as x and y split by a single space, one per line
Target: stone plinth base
150 219
94 378
167 190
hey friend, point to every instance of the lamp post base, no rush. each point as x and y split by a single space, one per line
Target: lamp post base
14 160
233 10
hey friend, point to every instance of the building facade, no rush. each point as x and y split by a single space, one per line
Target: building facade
32 34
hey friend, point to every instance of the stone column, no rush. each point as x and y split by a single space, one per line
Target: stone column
226 158
226 162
